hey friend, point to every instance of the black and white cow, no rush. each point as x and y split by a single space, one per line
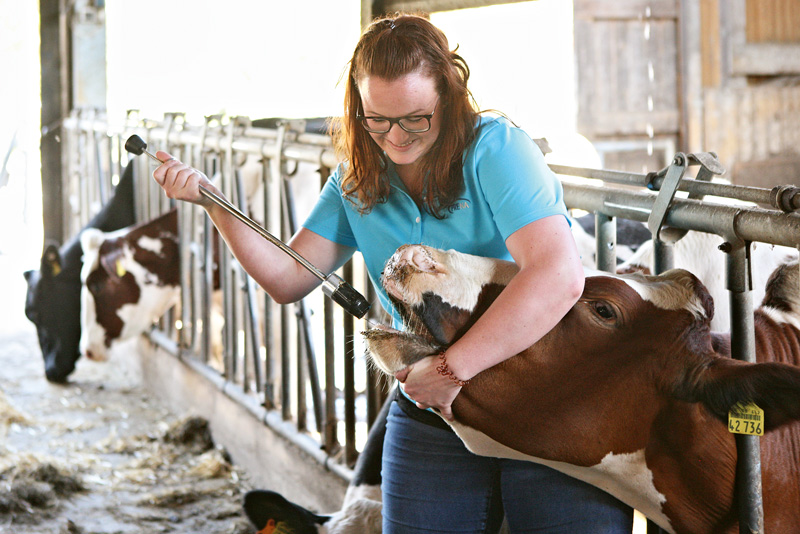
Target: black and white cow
52 302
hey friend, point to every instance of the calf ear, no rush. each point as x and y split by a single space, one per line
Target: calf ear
774 387
112 264
51 262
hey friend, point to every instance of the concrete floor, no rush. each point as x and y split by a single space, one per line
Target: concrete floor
106 427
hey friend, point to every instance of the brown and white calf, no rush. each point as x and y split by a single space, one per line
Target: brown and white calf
629 392
129 279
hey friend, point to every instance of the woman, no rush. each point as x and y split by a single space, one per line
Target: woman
421 165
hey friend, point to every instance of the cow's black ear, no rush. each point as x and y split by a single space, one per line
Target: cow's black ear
27 274
773 387
51 261
263 507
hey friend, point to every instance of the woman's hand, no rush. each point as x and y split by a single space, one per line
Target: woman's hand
180 181
423 383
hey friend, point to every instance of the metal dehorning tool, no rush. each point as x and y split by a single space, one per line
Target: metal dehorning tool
332 285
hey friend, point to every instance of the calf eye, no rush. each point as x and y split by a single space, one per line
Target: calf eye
603 310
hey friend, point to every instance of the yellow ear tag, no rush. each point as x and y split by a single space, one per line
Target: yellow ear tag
269 528
746 419
56 268
276 528
120 269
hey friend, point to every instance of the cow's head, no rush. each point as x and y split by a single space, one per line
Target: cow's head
129 279
52 304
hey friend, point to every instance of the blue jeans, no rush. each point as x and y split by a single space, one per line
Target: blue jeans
432 483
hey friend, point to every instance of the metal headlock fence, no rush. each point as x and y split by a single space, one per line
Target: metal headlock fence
270 355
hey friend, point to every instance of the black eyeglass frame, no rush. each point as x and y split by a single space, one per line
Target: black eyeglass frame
361 118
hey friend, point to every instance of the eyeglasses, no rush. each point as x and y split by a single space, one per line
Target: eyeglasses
409 123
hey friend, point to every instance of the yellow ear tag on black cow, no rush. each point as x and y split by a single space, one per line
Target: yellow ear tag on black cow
746 419
54 263
120 269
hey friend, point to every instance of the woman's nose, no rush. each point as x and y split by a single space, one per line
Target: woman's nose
396 134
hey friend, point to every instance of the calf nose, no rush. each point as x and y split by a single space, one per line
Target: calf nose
416 256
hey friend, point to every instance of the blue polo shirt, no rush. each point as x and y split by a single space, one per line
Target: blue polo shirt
507 186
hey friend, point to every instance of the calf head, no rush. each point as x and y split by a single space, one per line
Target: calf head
52 304
439 294
632 366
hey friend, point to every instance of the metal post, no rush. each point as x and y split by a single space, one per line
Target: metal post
350 453
748 467
329 437
269 304
304 318
663 256
606 242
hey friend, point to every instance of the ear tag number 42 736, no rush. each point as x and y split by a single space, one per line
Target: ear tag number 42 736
746 419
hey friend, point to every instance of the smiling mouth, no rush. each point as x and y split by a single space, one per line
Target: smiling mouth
406 145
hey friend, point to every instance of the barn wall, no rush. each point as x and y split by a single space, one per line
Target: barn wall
751 93
755 131
770 21
628 85
692 75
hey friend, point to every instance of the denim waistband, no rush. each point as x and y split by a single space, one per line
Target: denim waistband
418 414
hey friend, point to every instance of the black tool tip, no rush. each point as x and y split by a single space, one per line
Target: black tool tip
135 145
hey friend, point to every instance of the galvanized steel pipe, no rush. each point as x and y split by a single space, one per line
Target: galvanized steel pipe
748 223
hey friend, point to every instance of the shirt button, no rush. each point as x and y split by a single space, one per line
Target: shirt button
418 219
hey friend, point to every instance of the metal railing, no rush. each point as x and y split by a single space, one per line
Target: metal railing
304 363
276 356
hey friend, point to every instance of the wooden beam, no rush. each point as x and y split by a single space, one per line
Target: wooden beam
710 43
690 77
766 59
623 9
53 32
430 6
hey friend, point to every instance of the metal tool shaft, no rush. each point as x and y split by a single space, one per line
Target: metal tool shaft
230 208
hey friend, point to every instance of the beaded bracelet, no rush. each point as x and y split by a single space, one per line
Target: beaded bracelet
444 370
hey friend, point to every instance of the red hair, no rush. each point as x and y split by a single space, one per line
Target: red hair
390 48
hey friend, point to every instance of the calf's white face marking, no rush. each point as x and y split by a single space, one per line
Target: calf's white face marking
149 243
455 277
666 295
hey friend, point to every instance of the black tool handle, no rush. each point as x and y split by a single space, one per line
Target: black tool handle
345 296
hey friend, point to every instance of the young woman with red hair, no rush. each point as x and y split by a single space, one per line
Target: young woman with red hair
420 164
